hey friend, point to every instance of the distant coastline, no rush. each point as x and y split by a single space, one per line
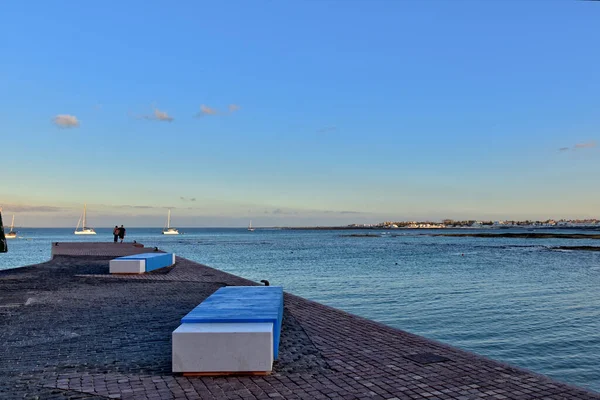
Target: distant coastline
467 228
590 223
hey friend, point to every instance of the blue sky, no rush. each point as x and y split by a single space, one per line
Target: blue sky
315 112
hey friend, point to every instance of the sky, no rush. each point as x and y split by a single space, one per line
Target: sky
297 113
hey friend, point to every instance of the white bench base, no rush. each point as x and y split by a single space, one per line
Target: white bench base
223 347
127 266
141 263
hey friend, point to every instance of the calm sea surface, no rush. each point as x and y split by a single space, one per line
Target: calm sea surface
513 300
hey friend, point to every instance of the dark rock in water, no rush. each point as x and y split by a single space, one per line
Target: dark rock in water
522 235
582 248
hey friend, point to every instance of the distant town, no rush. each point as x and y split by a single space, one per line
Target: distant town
449 223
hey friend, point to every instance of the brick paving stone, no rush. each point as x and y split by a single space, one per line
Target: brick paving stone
71 330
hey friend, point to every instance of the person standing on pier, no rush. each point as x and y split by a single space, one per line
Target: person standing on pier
116 233
121 233
3 245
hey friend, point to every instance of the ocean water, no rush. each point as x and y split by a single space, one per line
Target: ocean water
513 300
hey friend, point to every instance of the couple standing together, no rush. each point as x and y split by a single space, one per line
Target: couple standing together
119 233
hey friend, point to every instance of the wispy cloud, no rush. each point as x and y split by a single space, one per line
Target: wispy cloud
206 110
341 212
30 208
327 129
579 146
187 199
159 116
281 211
143 207
587 145
66 121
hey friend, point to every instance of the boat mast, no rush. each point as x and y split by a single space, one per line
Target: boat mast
169 220
12 225
84 206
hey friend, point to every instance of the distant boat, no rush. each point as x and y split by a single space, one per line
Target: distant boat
168 230
12 234
250 228
84 229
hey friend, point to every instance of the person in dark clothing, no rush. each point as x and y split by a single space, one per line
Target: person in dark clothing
121 233
3 245
116 234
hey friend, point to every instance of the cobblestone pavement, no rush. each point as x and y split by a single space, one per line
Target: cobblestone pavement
71 331
98 249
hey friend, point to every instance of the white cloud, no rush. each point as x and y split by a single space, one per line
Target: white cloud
156 115
31 208
66 121
206 110
160 116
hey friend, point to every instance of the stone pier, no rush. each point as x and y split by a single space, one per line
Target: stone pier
69 330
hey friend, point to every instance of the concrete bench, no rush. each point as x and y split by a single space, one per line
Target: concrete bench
235 330
140 263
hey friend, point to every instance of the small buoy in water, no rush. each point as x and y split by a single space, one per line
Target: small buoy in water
396 263
462 254
266 282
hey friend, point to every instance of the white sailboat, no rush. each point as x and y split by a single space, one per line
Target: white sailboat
168 230
12 234
84 229
250 228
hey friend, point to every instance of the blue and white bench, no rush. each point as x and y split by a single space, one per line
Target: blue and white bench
140 263
235 330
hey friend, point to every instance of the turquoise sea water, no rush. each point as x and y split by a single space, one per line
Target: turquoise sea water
513 300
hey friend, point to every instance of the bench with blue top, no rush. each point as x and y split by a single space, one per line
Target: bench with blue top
235 330
140 263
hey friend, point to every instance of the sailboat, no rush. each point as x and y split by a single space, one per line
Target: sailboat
84 229
168 230
250 228
12 234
